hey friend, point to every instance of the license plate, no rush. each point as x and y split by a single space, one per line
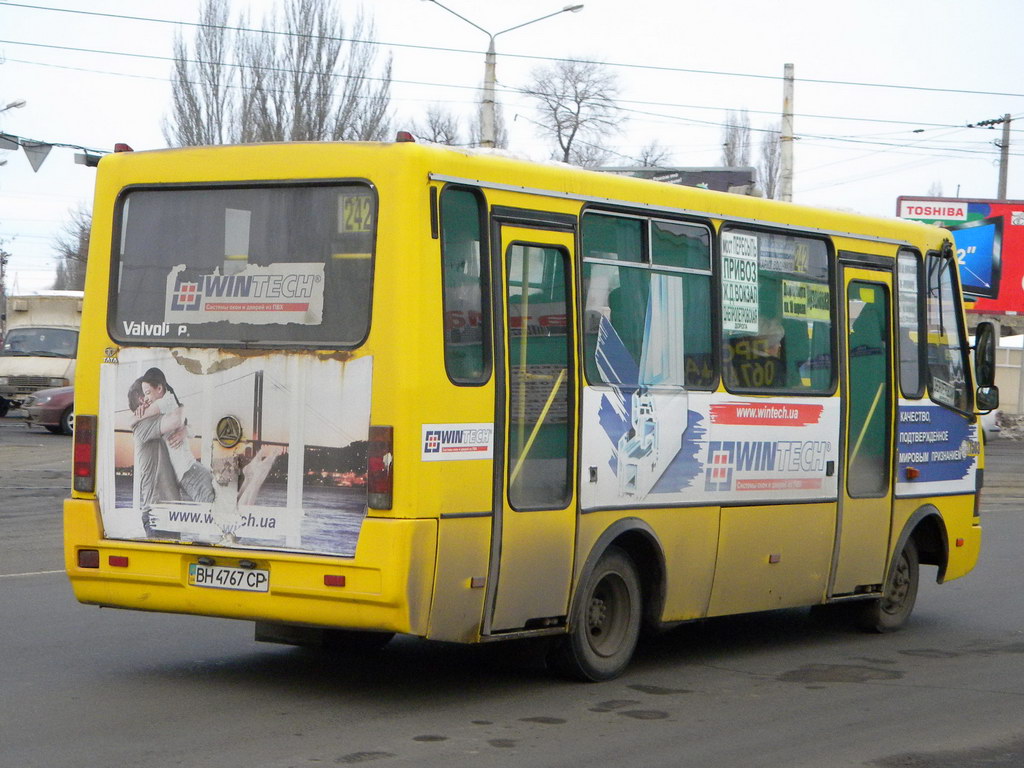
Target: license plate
225 577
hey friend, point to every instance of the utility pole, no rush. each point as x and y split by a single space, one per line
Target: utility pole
1004 158
786 137
1004 151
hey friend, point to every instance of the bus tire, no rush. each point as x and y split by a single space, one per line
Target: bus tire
605 621
893 608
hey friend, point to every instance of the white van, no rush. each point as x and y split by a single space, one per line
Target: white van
40 343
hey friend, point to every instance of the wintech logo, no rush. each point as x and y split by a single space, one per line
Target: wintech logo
188 294
802 461
275 293
450 442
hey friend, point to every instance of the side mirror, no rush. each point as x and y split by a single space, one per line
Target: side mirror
987 395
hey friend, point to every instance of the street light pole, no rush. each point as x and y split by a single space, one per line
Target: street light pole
487 110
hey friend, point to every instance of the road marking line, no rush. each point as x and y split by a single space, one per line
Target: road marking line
33 573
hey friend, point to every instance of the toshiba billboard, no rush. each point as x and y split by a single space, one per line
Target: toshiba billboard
989 236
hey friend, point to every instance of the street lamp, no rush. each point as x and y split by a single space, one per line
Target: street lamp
487 138
14 105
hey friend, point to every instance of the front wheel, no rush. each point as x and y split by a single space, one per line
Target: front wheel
605 621
67 421
892 609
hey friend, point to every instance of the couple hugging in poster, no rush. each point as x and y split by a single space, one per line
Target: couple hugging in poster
169 471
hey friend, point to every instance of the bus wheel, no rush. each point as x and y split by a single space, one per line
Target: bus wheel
605 623
892 609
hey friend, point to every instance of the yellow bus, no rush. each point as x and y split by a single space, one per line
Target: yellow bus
351 390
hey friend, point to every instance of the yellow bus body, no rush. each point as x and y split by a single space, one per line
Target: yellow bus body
430 565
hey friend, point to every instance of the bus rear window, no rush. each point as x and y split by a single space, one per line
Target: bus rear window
276 265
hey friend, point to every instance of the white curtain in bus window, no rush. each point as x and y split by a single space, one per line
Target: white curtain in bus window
540 421
272 264
776 313
947 382
909 298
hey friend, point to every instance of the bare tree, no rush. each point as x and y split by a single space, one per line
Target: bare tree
440 126
935 189
72 248
313 79
654 155
736 139
200 86
771 161
576 102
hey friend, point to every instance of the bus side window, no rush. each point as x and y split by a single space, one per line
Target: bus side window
947 366
647 286
466 336
776 313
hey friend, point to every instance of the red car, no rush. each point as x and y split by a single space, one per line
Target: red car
51 408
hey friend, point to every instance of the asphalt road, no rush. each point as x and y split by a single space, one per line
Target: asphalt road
81 685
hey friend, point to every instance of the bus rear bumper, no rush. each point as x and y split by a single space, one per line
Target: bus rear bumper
386 587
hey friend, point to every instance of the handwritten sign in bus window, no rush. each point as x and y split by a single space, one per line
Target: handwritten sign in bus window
739 282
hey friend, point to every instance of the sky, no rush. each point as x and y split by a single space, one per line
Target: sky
884 96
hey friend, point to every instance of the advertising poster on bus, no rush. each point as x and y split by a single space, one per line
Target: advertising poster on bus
266 451
989 236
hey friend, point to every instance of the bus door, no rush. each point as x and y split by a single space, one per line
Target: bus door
535 521
865 508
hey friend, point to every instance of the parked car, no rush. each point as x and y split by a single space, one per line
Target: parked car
51 408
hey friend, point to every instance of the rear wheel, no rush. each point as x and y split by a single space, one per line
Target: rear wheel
893 608
605 622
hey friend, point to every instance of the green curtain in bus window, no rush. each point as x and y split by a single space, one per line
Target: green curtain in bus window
648 329
615 313
612 237
868 347
680 245
465 317
699 359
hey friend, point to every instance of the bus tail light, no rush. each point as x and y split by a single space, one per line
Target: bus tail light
380 474
85 454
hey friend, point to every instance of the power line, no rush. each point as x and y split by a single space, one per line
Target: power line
624 65
505 91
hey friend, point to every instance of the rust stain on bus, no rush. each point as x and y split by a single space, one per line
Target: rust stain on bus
224 360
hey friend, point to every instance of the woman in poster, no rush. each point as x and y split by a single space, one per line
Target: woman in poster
159 417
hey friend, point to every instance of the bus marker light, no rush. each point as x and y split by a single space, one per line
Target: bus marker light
118 561
477 582
331 580
913 473
775 558
404 136
959 542
88 558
